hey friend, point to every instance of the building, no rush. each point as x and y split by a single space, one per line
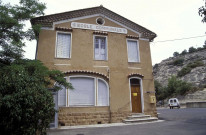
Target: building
107 59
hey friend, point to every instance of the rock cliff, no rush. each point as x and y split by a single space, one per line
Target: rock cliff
192 65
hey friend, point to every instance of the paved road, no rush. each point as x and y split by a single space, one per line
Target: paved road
176 122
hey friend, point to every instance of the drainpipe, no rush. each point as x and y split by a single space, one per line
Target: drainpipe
110 113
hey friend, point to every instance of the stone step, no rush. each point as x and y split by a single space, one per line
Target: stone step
150 119
138 116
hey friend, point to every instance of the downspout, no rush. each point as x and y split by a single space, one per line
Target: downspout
110 113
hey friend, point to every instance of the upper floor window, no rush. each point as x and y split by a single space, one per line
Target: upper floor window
63 45
100 48
133 51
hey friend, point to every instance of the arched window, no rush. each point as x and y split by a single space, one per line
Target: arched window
103 94
88 91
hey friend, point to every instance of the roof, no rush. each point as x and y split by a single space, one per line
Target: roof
48 20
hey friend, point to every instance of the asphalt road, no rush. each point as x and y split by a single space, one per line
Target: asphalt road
176 122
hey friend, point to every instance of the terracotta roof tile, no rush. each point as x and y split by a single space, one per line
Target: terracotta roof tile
47 21
135 74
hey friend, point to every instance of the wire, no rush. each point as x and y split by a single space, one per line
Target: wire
179 39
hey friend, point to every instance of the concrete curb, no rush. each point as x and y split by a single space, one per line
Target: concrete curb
102 125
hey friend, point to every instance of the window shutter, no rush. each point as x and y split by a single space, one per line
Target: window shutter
100 50
63 45
62 97
103 94
133 52
83 92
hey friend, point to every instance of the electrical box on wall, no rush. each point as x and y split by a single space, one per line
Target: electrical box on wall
152 99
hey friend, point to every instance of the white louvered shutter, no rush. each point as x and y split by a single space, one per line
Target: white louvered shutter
83 92
133 52
100 51
62 96
103 94
63 45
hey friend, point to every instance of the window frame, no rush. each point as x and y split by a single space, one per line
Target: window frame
96 91
70 53
138 51
106 46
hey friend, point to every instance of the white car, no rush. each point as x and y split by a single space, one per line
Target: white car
173 102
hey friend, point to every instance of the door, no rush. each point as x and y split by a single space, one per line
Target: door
136 99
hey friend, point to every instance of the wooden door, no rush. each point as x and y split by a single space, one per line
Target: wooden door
136 99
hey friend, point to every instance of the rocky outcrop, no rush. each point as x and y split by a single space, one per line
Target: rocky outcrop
168 67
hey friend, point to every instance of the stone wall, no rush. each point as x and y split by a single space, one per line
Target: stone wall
72 119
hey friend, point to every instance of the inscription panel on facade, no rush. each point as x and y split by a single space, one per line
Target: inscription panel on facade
98 27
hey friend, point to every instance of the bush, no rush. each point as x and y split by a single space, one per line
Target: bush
192 49
178 62
195 64
159 91
184 52
26 104
189 67
175 54
176 86
184 71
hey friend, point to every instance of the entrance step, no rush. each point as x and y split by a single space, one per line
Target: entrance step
139 118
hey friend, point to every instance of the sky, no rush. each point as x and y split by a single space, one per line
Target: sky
169 19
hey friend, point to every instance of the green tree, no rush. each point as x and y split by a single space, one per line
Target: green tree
175 54
184 52
159 91
202 12
26 104
176 86
12 30
192 49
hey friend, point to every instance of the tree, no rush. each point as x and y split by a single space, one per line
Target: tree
26 104
159 91
176 86
184 52
175 54
192 49
202 12
12 30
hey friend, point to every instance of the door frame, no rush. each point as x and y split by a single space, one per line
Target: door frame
141 90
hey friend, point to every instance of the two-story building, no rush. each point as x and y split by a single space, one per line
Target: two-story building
107 59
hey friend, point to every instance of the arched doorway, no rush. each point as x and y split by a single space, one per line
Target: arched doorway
136 95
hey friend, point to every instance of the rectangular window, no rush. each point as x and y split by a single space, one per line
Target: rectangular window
133 51
63 45
100 48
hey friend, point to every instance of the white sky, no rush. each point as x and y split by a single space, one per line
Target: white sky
169 19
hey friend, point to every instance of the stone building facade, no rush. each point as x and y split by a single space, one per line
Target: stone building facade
107 59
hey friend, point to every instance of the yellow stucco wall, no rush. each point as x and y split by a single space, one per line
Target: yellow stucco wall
82 58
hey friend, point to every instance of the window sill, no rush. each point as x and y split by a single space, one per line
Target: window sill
101 60
63 58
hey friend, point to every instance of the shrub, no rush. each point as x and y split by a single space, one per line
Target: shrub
189 67
26 104
176 86
192 49
178 62
175 54
195 64
184 52
159 91
184 71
